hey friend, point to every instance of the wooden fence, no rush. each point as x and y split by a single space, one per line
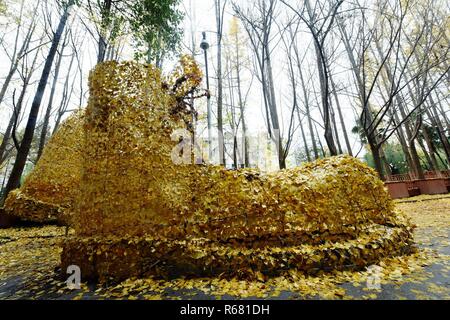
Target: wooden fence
408 185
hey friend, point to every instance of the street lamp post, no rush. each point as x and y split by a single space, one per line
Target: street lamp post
205 45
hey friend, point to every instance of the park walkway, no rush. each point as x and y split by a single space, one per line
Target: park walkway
29 259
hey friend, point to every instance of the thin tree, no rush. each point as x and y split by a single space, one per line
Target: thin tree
18 52
22 153
44 130
258 21
319 29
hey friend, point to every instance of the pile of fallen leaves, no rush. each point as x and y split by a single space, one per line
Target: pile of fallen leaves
52 186
120 258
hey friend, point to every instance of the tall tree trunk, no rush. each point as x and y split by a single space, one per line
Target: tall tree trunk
101 49
324 91
17 55
384 161
44 130
415 160
324 88
302 130
235 152
105 13
426 154
22 153
367 108
434 118
219 83
431 148
402 139
295 102
341 118
306 98
232 109
274 113
320 142
242 108
65 97
417 168
17 110
6 137
335 130
375 150
441 110
379 155
5 175
307 106
311 132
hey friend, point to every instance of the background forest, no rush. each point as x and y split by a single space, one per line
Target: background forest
289 81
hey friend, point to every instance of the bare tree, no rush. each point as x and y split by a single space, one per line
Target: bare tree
258 21
237 61
220 10
44 130
320 26
18 52
68 89
384 67
306 95
22 153
341 117
25 72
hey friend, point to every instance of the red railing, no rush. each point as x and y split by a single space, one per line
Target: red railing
410 176
399 177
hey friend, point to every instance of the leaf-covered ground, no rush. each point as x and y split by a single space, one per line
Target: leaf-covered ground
29 259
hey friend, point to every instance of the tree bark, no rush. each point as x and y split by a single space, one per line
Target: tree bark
375 150
434 117
307 106
17 56
105 13
334 126
17 110
276 133
324 86
44 130
219 84
341 118
65 98
366 115
402 140
320 142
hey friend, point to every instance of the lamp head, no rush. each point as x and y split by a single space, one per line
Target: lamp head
204 44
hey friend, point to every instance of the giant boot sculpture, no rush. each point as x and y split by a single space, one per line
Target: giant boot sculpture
142 211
